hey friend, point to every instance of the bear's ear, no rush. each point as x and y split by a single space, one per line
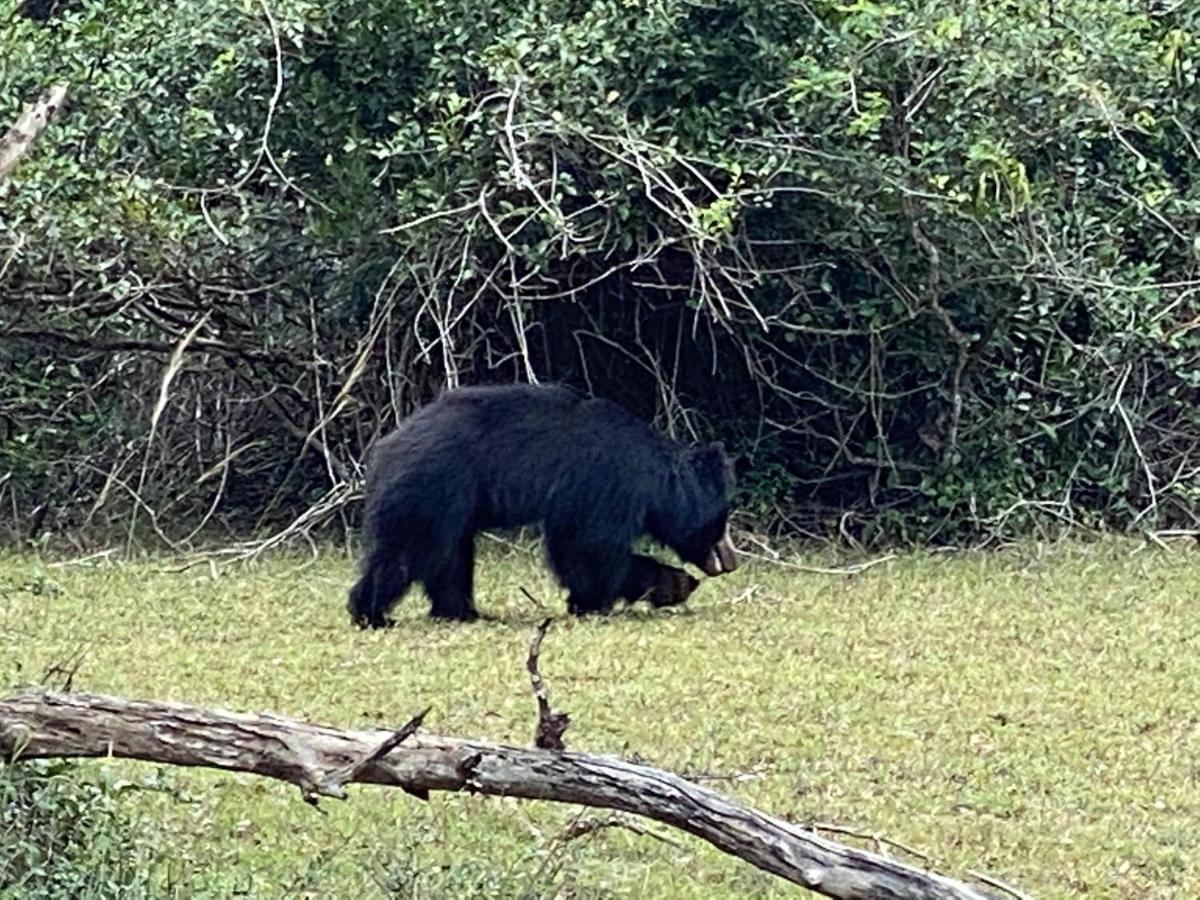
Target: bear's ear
713 465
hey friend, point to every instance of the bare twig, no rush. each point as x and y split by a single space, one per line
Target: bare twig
534 600
174 364
585 826
772 557
334 783
551 725
877 839
66 670
992 881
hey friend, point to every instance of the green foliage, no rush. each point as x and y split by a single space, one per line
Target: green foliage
63 835
930 264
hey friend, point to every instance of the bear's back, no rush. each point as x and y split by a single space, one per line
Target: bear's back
501 431
550 408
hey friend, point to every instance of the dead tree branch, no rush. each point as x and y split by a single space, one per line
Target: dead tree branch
336 781
18 140
46 724
551 725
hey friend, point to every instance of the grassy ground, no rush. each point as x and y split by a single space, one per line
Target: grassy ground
1033 714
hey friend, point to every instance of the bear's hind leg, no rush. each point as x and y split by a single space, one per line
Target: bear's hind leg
593 576
451 588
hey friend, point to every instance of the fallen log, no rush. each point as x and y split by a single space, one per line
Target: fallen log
321 760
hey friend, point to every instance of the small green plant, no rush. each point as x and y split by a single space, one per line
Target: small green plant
63 835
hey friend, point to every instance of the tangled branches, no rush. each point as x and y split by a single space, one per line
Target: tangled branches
908 315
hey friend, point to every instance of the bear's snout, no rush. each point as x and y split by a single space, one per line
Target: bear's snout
722 559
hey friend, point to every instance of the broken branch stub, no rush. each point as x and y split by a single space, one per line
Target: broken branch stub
551 725
332 785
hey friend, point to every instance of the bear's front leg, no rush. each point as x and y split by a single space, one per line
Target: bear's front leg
450 589
592 576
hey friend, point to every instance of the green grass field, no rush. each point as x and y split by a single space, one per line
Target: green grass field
1033 714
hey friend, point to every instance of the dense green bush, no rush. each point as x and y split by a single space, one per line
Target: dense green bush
63 836
929 267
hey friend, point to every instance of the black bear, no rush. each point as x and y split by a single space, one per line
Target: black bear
594 476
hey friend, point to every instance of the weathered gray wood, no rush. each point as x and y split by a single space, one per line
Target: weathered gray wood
17 141
43 724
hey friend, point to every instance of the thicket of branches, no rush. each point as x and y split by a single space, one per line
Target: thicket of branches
928 268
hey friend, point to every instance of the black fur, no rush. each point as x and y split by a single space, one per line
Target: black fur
592 474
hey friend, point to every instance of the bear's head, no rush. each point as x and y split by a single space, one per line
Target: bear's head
698 527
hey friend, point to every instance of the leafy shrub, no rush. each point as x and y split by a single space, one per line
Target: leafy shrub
63 836
930 266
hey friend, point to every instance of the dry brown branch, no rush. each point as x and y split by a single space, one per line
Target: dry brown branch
336 781
774 558
532 599
878 840
47 724
550 724
999 885
18 140
582 827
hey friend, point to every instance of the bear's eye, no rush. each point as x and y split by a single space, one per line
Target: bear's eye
707 537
